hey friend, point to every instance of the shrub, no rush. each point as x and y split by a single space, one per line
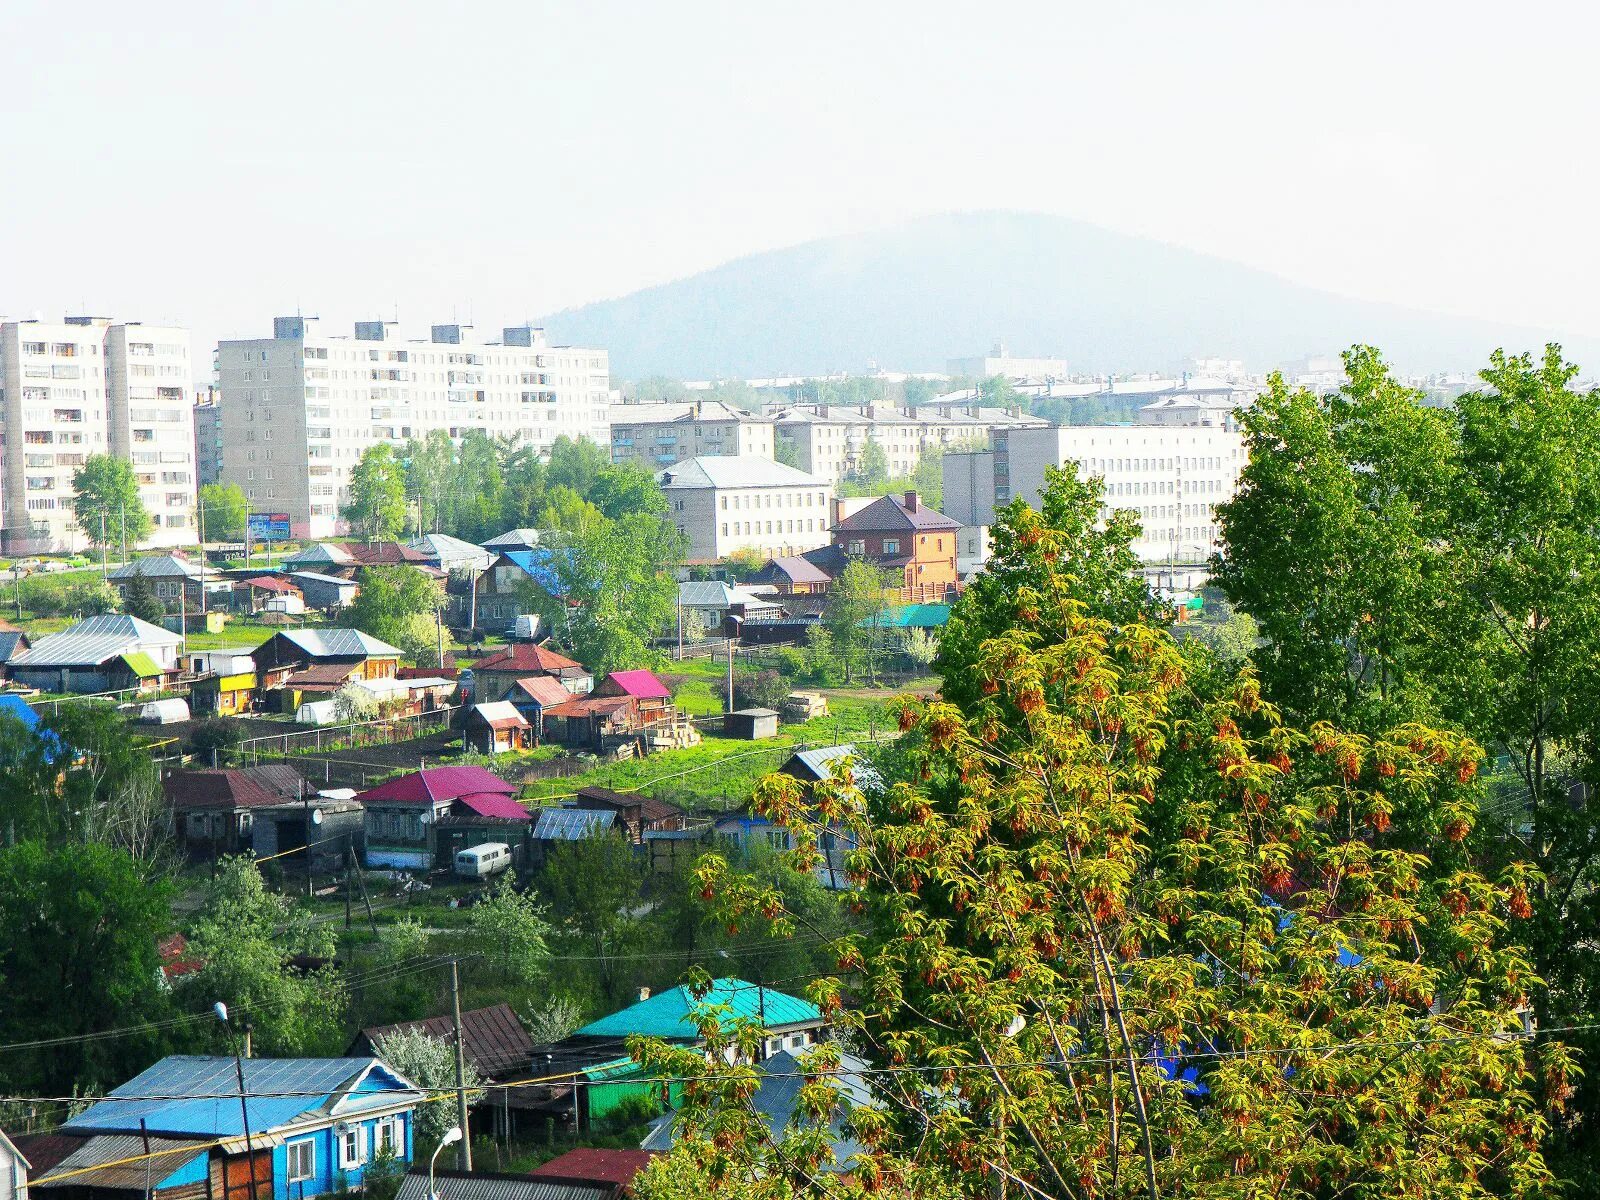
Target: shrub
762 689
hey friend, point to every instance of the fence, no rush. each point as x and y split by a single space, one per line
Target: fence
380 731
180 689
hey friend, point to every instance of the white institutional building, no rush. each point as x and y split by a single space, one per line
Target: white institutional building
89 385
734 503
301 407
1170 476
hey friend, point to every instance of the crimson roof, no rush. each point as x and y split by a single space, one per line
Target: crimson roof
527 657
603 1166
544 689
497 805
439 784
642 685
248 787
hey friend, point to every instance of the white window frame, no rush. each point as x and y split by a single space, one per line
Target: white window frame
292 1151
390 1133
346 1158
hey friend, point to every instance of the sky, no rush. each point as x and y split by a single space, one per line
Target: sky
216 164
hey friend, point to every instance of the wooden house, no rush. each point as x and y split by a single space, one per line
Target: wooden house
214 811
637 814
495 728
420 820
494 676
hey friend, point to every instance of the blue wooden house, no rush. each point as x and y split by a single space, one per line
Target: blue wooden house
314 1124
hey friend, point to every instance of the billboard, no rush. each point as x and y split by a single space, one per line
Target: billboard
269 527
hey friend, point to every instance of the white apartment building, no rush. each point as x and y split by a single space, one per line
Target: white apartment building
301 407
736 503
999 361
88 385
1171 477
829 440
658 435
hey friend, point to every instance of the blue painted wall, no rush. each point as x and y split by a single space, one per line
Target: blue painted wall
328 1170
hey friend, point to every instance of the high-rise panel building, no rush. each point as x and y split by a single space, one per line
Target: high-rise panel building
91 385
208 438
300 408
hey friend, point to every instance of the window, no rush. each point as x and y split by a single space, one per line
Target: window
353 1146
856 547
891 545
391 1136
302 1161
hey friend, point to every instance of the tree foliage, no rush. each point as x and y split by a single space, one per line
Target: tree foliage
79 956
244 937
106 502
389 601
857 601
377 507
509 930
1407 563
594 884
224 512
1129 933
139 599
429 1062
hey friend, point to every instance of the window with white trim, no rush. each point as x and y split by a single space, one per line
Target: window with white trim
353 1146
302 1158
390 1135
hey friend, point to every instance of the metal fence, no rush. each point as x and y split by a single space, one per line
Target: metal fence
380 731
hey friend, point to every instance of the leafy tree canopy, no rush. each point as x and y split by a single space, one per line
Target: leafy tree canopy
224 512
106 502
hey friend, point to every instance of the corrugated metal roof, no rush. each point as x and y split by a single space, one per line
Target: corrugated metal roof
340 643
617 1167
438 784
640 684
128 626
166 1156
156 566
572 824
667 1015
495 806
318 577
198 1094
513 538
141 664
492 1038
819 763
450 1186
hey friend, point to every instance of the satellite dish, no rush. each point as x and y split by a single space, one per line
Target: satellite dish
426 817
316 816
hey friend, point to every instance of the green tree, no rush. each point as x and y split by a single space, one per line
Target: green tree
760 689
873 469
1446 567
428 1062
613 588
139 599
509 929
389 602
565 511
478 488
243 937
377 507
82 923
857 601
1054 992
786 451
106 502
627 488
575 463
593 885
1065 536
225 511
430 474
928 479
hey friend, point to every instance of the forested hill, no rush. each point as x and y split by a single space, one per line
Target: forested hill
913 295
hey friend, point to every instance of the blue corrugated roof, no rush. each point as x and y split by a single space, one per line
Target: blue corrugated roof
198 1094
668 1015
539 566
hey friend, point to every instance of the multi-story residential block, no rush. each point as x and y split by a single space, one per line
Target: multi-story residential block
301 407
739 503
999 361
207 439
91 386
830 440
659 435
1172 477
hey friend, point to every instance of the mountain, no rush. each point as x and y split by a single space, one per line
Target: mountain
911 296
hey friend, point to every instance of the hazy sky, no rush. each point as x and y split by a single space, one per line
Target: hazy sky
217 163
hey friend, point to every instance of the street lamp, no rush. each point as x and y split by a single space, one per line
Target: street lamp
450 1138
221 1010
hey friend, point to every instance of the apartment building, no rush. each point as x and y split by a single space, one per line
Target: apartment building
658 435
301 407
999 361
1171 477
207 439
732 503
90 385
830 440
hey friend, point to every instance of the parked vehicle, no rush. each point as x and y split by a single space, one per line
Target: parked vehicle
525 629
480 862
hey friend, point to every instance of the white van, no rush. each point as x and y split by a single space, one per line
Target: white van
480 862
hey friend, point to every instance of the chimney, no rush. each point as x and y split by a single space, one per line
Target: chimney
644 994
911 502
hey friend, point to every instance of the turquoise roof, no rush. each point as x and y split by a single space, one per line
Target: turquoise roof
668 1015
913 616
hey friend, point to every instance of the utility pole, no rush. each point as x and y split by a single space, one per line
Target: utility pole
464 1155
123 510
103 572
729 642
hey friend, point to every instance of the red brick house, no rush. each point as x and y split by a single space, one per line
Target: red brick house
908 539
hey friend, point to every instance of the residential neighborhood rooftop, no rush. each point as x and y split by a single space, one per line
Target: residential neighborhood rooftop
734 471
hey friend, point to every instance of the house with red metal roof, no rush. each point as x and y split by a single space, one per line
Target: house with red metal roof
534 694
421 819
589 1165
494 677
214 811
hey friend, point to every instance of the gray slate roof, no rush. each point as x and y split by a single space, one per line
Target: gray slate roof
157 566
734 471
820 763
453 1186
513 539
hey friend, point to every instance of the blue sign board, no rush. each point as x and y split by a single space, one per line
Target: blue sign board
269 527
